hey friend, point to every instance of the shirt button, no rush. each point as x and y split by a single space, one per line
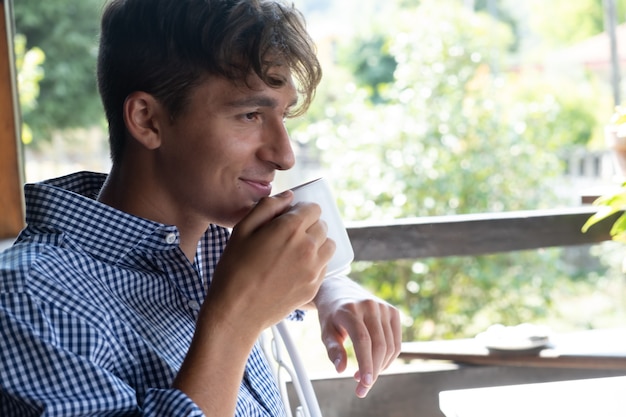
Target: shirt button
170 238
194 305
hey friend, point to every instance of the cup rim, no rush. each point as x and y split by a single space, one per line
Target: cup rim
306 184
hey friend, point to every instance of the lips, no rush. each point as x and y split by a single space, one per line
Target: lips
259 188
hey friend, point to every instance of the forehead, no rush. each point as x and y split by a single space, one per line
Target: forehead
240 91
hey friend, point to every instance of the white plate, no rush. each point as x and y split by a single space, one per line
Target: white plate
521 339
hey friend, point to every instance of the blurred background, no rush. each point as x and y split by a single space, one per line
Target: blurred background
427 108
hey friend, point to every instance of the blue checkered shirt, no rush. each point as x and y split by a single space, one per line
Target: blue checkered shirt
98 308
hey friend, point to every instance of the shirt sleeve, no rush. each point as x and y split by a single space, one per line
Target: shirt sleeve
54 363
297 315
170 402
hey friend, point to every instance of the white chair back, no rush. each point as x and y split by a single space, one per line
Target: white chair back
280 342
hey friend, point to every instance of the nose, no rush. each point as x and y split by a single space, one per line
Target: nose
276 149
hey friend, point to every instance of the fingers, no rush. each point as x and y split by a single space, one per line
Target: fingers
270 208
275 260
387 349
370 348
387 343
334 342
305 216
365 376
327 249
286 222
376 335
394 337
266 209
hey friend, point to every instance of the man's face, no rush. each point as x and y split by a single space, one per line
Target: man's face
219 157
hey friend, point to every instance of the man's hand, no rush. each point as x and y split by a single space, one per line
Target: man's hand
274 262
347 310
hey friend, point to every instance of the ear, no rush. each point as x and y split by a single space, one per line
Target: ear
143 115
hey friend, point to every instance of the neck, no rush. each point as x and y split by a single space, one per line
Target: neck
133 191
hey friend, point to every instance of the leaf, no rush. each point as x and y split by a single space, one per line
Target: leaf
619 227
603 213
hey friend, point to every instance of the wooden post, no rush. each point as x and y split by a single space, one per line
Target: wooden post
610 23
11 174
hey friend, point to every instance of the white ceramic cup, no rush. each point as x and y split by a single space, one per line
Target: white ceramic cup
318 191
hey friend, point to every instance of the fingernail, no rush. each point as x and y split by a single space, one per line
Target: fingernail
283 194
361 391
368 380
337 362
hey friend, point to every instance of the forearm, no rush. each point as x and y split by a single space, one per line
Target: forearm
212 371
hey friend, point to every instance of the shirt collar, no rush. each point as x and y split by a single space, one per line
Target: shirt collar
68 205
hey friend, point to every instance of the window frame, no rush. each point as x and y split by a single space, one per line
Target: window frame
11 160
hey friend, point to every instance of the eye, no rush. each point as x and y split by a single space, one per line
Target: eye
252 115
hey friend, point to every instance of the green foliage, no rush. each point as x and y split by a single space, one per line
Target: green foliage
445 298
66 32
615 201
577 20
30 73
371 64
421 120
451 135
501 11
610 204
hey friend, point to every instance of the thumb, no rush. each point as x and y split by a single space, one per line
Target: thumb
337 353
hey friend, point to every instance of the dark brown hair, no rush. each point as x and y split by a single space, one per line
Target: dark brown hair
166 47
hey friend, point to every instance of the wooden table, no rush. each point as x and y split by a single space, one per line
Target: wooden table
592 349
600 397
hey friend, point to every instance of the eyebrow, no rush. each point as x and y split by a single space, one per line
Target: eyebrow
259 101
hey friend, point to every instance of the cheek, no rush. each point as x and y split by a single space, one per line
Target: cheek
194 151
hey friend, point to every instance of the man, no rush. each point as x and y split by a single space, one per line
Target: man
125 294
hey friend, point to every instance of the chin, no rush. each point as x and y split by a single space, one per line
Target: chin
231 219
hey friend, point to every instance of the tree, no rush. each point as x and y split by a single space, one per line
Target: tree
450 136
29 75
577 20
66 32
